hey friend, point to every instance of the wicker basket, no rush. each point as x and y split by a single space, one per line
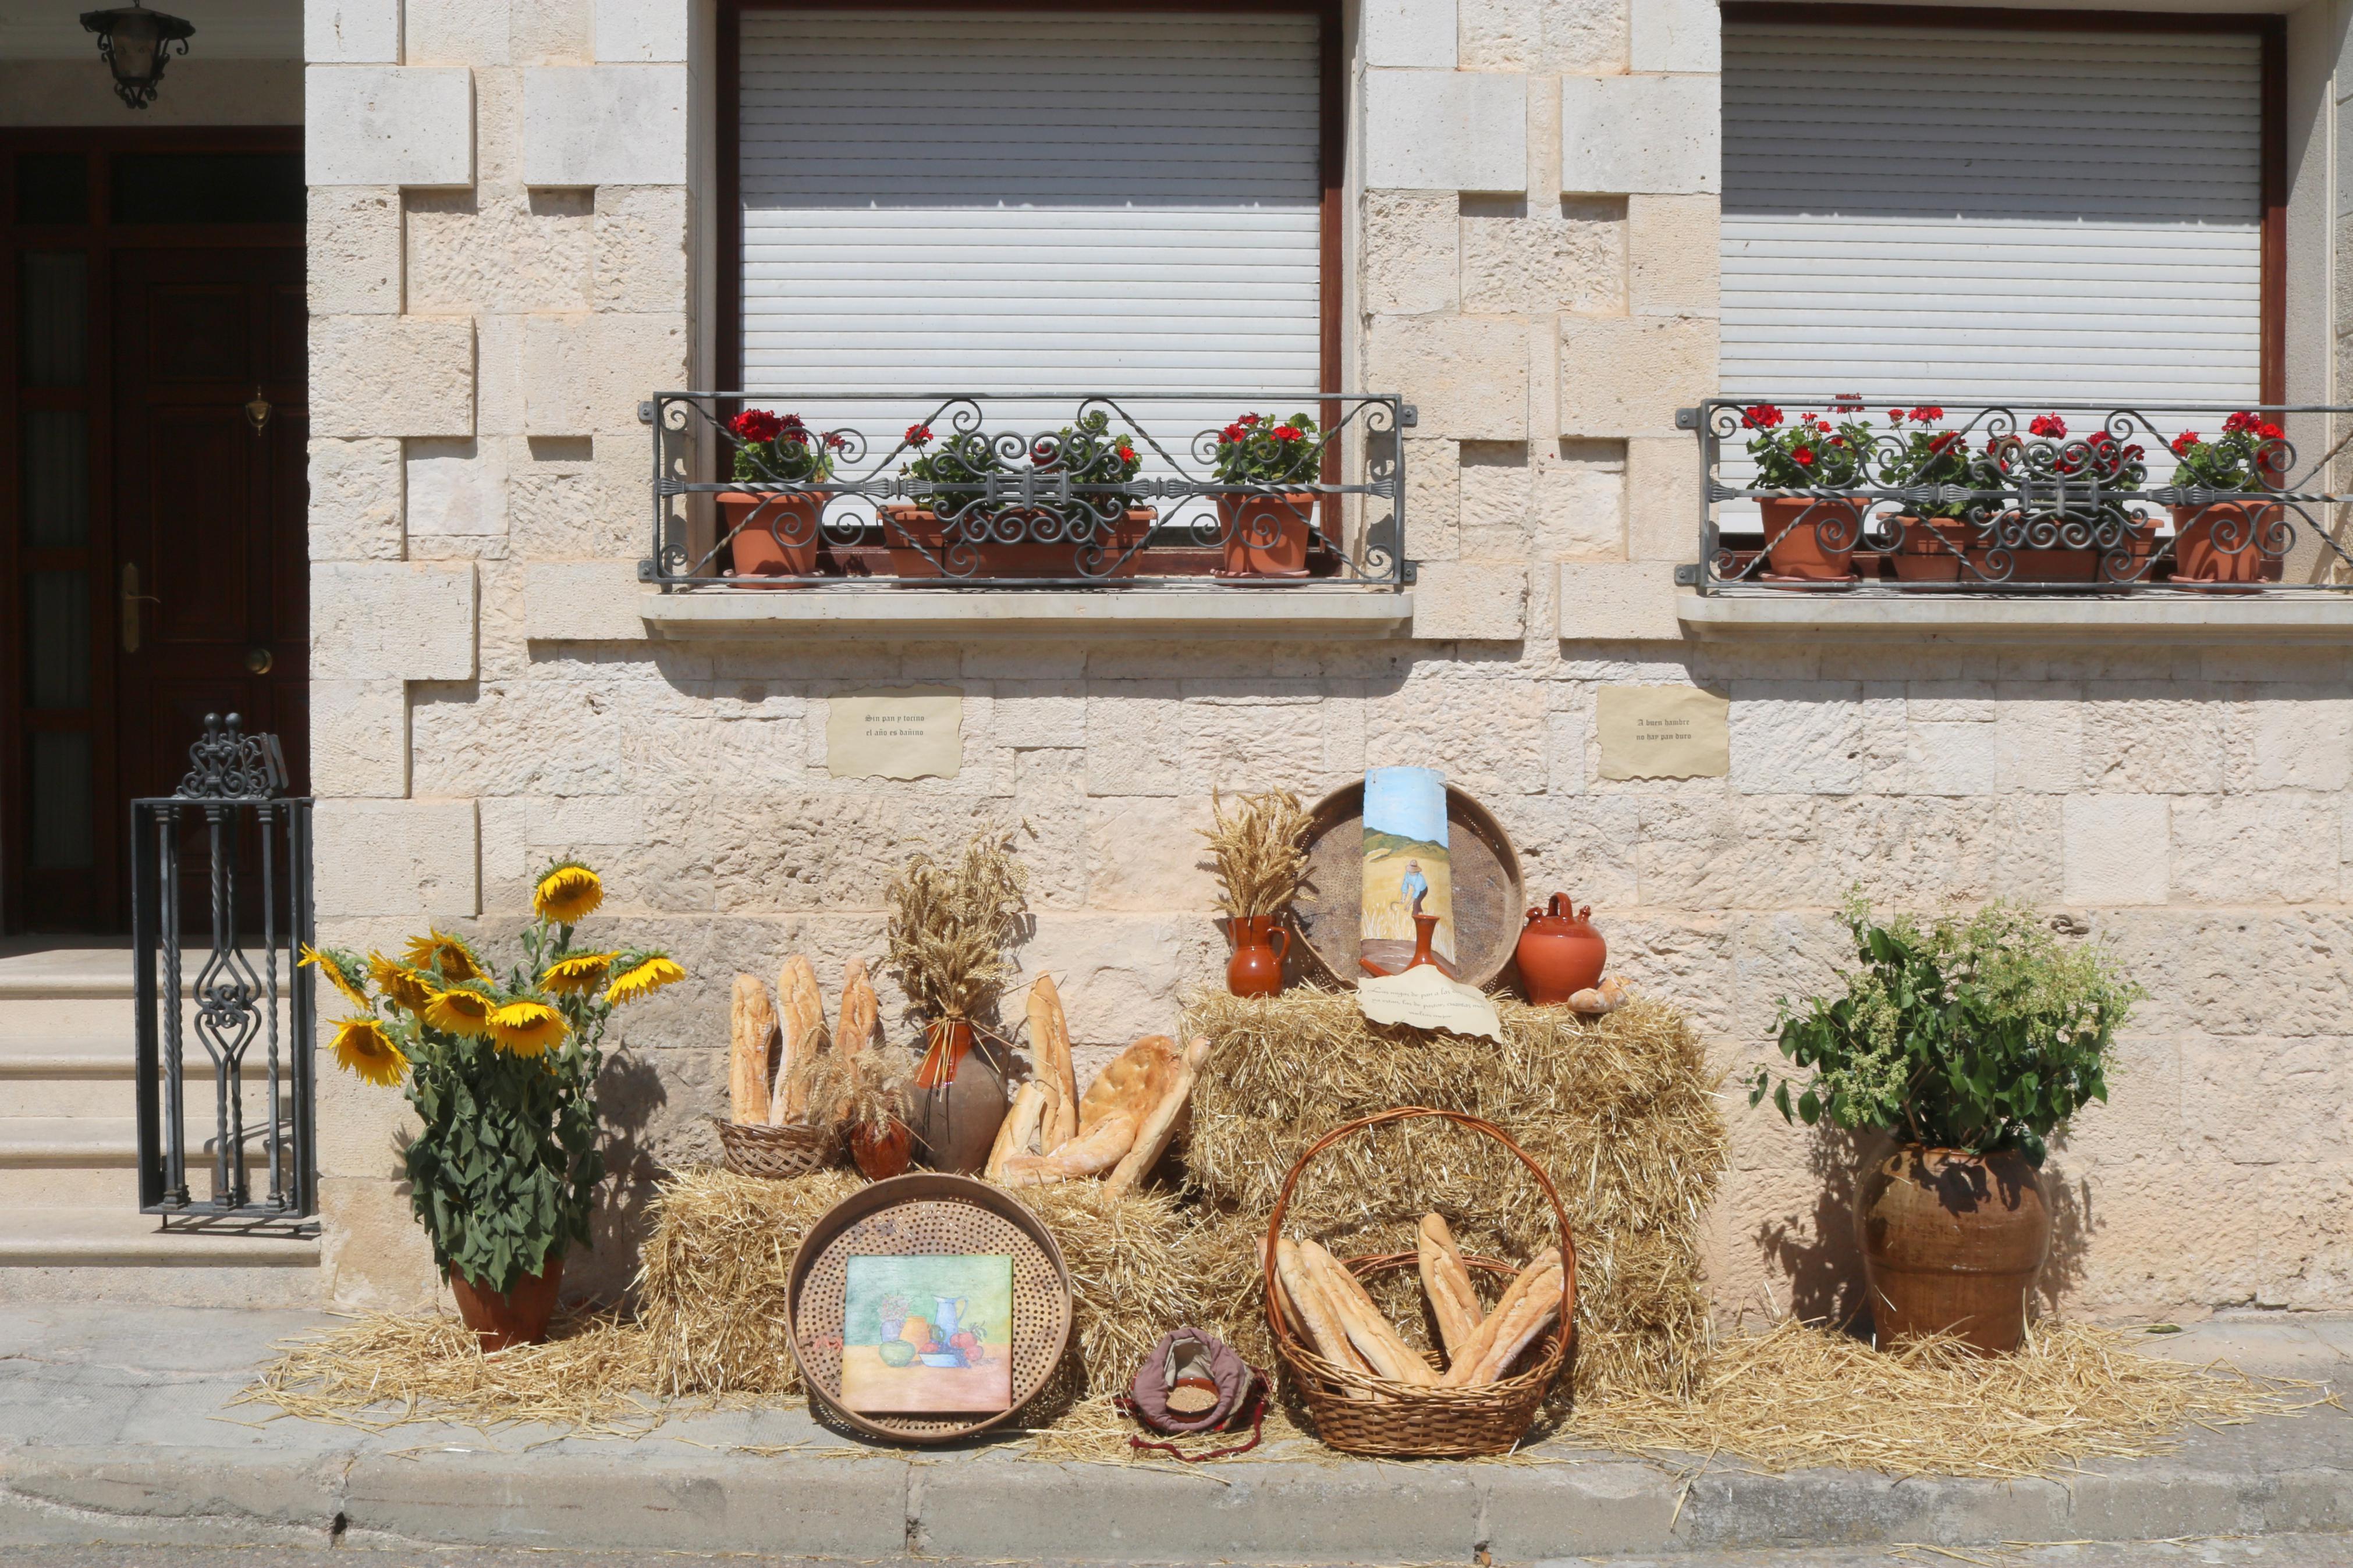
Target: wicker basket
776 1153
1402 1420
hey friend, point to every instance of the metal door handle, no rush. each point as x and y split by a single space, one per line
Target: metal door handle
132 599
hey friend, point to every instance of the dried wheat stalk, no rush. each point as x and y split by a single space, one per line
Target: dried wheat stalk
1261 852
949 927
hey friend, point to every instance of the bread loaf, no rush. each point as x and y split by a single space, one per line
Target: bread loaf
1465 1364
801 1024
1369 1332
1452 1299
1090 1154
1049 1052
1528 1317
1160 1125
862 1010
1309 1307
1132 1084
751 1048
1018 1133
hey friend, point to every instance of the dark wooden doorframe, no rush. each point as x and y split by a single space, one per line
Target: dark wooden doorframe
94 899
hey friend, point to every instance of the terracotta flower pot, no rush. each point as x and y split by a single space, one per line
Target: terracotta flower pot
908 533
516 1317
2223 544
960 1101
1560 954
776 535
1931 548
1265 536
884 1154
2031 565
1811 540
1951 1243
1261 944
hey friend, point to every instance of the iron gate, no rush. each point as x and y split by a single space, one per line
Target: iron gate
231 844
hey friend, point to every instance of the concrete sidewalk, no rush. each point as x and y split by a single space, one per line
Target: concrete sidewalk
113 1428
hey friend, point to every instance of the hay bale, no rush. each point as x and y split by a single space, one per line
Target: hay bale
1620 1112
711 1292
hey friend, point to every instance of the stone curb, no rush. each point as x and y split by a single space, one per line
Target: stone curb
988 1506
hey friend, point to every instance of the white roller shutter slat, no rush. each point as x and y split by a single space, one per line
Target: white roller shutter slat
1066 201
2033 219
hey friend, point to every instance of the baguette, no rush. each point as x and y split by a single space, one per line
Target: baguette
1535 1311
750 1042
803 1029
862 1010
1309 1307
1369 1332
1018 1133
1049 1051
1159 1127
1444 1279
1464 1367
1090 1154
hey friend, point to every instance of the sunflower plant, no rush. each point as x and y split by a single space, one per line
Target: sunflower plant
500 1068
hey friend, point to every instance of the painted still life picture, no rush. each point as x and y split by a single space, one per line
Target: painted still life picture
1409 880
927 1334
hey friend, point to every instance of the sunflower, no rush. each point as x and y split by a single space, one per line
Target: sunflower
406 987
363 1046
462 1009
528 1027
342 970
568 893
579 974
646 973
447 955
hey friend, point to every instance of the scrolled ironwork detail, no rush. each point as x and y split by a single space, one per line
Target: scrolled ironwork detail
226 763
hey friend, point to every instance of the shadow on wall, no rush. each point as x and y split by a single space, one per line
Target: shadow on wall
1818 1255
2071 1224
629 1091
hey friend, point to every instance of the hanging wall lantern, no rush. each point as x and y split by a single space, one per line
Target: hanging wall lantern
134 41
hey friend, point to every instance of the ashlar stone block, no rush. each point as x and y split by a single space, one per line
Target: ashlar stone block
2117 849
453 33
1626 375
1446 130
1467 376
1410 33
1546 37
353 250
1618 601
397 859
1662 499
392 620
1673 264
392 375
1470 601
351 32
388 125
499 250
1541 258
458 488
639 31
359 738
638 248
355 501
1640 134
604 125
1678 35
1413 252
586 374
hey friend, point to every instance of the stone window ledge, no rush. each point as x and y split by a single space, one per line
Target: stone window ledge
596 601
2275 615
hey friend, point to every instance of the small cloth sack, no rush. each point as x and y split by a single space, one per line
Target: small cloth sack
1191 1382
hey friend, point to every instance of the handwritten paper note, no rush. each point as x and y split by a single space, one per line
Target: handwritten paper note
1426 999
1664 732
906 733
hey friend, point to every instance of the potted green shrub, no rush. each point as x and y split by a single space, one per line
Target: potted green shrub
1265 521
1810 537
769 533
501 1069
2231 541
1969 1042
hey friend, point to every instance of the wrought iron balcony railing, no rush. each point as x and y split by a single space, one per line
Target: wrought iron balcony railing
867 490
1872 495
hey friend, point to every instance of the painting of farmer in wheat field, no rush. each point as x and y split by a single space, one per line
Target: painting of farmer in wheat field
1407 870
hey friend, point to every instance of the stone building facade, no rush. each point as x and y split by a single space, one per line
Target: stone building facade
512 227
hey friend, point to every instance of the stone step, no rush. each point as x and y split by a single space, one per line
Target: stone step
47 1096
88 1160
116 1236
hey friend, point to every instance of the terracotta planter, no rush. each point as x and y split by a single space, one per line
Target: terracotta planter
1951 1243
1560 954
960 1101
883 1155
908 532
1261 944
2204 537
2034 565
1265 536
776 534
2140 545
516 1317
1811 540
1931 548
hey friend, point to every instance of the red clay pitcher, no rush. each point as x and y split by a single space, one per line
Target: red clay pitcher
1261 944
1560 954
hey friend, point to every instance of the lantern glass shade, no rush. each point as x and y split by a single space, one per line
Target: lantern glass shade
136 43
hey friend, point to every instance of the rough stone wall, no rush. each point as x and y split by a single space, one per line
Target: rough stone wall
1535 237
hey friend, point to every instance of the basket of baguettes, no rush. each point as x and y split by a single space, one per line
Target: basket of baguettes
1372 1393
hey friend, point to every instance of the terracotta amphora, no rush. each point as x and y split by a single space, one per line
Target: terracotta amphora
1560 954
959 1102
516 1317
1952 1242
1261 944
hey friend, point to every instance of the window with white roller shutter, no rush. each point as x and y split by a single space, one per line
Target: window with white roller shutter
2021 217
993 201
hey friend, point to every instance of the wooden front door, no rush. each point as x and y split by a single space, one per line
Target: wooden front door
152 437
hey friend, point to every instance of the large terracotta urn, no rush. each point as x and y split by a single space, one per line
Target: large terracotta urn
516 1317
1952 1242
959 1100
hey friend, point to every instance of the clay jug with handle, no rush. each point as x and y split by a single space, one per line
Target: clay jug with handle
1261 944
1560 954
